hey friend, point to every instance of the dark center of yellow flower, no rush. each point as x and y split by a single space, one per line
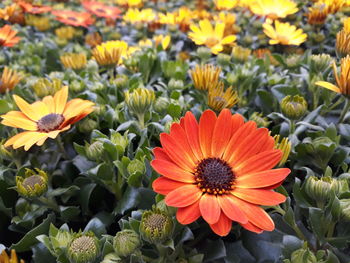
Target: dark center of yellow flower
30 182
214 176
211 41
50 122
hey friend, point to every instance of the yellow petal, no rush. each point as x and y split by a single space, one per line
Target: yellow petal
27 109
328 85
60 99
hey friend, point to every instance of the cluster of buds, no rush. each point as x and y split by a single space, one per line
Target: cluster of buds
44 87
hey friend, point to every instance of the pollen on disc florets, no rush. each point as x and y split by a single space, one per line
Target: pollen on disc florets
214 176
84 248
50 122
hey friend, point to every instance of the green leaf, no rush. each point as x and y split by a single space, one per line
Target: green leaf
30 238
111 258
96 225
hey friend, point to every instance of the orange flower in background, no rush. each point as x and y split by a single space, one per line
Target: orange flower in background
44 119
7 12
219 169
34 9
101 10
8 36
73 18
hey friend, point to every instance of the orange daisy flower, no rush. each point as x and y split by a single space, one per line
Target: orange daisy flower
34 9
44 119
101 10
8 36
73 18
220 169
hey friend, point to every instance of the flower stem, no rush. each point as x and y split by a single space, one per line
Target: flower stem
292 126
331 229
345 111
60 145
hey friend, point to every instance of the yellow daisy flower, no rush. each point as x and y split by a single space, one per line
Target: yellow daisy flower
342 80
284 34
136 16
273 8
5 258
44 119
212 37
225 4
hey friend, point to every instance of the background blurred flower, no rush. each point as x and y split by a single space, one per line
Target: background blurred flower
73 18
8 36
5 258
9 79
273 8
213 38
101 10
284 34
74 61
205 76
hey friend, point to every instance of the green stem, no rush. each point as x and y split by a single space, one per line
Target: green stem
298 232
60 145
49 203
141 118
292 126
331 229
345 110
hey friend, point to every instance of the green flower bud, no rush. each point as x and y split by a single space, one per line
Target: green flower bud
231 78
84 248
156 226
247 40
260 120
345 209
87 125
161 104
126 242
203 53
293 61
92 66
120 140
60 241
293 107
120 81
4 152
318 37
94 151
44 87
322 189
223 59
76 86
139 100
33 184
175 84
136 166
319 63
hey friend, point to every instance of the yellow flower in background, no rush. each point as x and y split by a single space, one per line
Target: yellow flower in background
4 258
212 37
342 80
7 12
65 32
225 4
219 98
41 23
9 79
273 8
74 61
205 76
110 53
130 3
139 16
229 20
285 146
346 24
167 19
284 34
145 43
162 40
332 6
44 119
317 15
342 43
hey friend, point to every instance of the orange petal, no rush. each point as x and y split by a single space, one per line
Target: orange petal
176 152
222 133
183 196
260 162
251 227
259 196
236 121
13 139
172 171
210 208
255 214
189 214
60 99
163 185
27 109
77 108
249 146
26 137
160 154
179 135
246 129
223 226
19 122
231 210
262 179
206 129
192 132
